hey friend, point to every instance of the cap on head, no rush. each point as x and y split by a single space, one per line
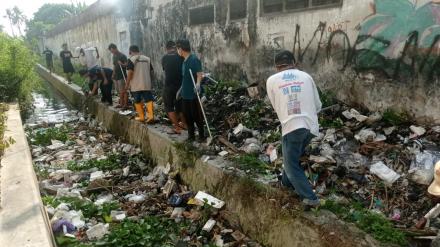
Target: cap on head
284 58
134 48
184 45
170 45
112 46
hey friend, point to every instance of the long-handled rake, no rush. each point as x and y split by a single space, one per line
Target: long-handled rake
201 106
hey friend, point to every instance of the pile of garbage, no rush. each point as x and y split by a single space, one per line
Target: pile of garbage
100 191
382 161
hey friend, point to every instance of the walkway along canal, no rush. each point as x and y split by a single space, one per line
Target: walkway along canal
264 213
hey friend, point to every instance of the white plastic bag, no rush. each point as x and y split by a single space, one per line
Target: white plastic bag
384 172
422 167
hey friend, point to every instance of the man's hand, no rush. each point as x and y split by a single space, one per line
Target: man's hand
127 87
105 81
198 87
120 63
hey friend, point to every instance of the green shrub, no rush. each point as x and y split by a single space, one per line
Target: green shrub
373 223
45 136
151 231
251 162
111 163
17 71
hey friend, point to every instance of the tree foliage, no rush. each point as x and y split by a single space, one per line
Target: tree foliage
47 16
16 69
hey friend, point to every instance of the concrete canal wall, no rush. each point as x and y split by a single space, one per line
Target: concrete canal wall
23 219
257 207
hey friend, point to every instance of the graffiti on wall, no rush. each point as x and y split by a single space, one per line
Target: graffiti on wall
400 39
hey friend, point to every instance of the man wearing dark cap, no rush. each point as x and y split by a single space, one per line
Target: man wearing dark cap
102 77
172 66
295 98
190 103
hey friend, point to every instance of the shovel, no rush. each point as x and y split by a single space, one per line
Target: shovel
209 140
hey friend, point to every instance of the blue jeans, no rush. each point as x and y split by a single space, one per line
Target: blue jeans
142 96
294 144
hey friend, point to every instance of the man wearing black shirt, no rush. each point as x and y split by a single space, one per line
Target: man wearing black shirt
103 77
119 74
49 60
172 65
66 56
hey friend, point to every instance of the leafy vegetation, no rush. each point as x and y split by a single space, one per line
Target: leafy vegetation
3 143
222 86
151 231
328 98
45 136
373 223
17 71
394 118
252 116
46 18
251 162
330 123
111 163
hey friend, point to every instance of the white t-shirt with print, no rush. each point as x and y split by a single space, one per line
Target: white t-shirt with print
295 98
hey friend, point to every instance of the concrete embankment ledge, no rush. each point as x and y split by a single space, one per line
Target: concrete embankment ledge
23 219
257 207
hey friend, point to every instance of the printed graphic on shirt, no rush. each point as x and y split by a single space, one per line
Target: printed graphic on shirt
288 77
291 91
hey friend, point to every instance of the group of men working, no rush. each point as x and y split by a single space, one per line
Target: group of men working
292 93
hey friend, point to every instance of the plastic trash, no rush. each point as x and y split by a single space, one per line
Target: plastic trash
223 153
384 172
418 131
209 225
97 232
366 135
251 148
175 200
117 215
177 213
136 198
210 200
96 175
422 167
62 226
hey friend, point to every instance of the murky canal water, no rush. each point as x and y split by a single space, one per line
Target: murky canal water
50 107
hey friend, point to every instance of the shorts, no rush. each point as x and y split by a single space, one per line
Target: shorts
142 96
120 85
169 100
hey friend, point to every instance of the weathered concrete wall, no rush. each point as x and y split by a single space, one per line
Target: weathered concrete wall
99 26
255 206
377 53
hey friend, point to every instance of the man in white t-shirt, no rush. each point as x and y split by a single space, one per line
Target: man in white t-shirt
295 98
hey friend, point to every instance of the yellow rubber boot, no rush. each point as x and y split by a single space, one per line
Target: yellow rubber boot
150 111
140 111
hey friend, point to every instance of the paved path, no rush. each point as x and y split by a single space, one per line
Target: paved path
23 221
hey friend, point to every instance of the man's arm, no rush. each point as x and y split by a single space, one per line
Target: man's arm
104 76
130 73
318 102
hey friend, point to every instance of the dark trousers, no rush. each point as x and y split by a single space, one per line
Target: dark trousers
106 92
294 144
193 115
